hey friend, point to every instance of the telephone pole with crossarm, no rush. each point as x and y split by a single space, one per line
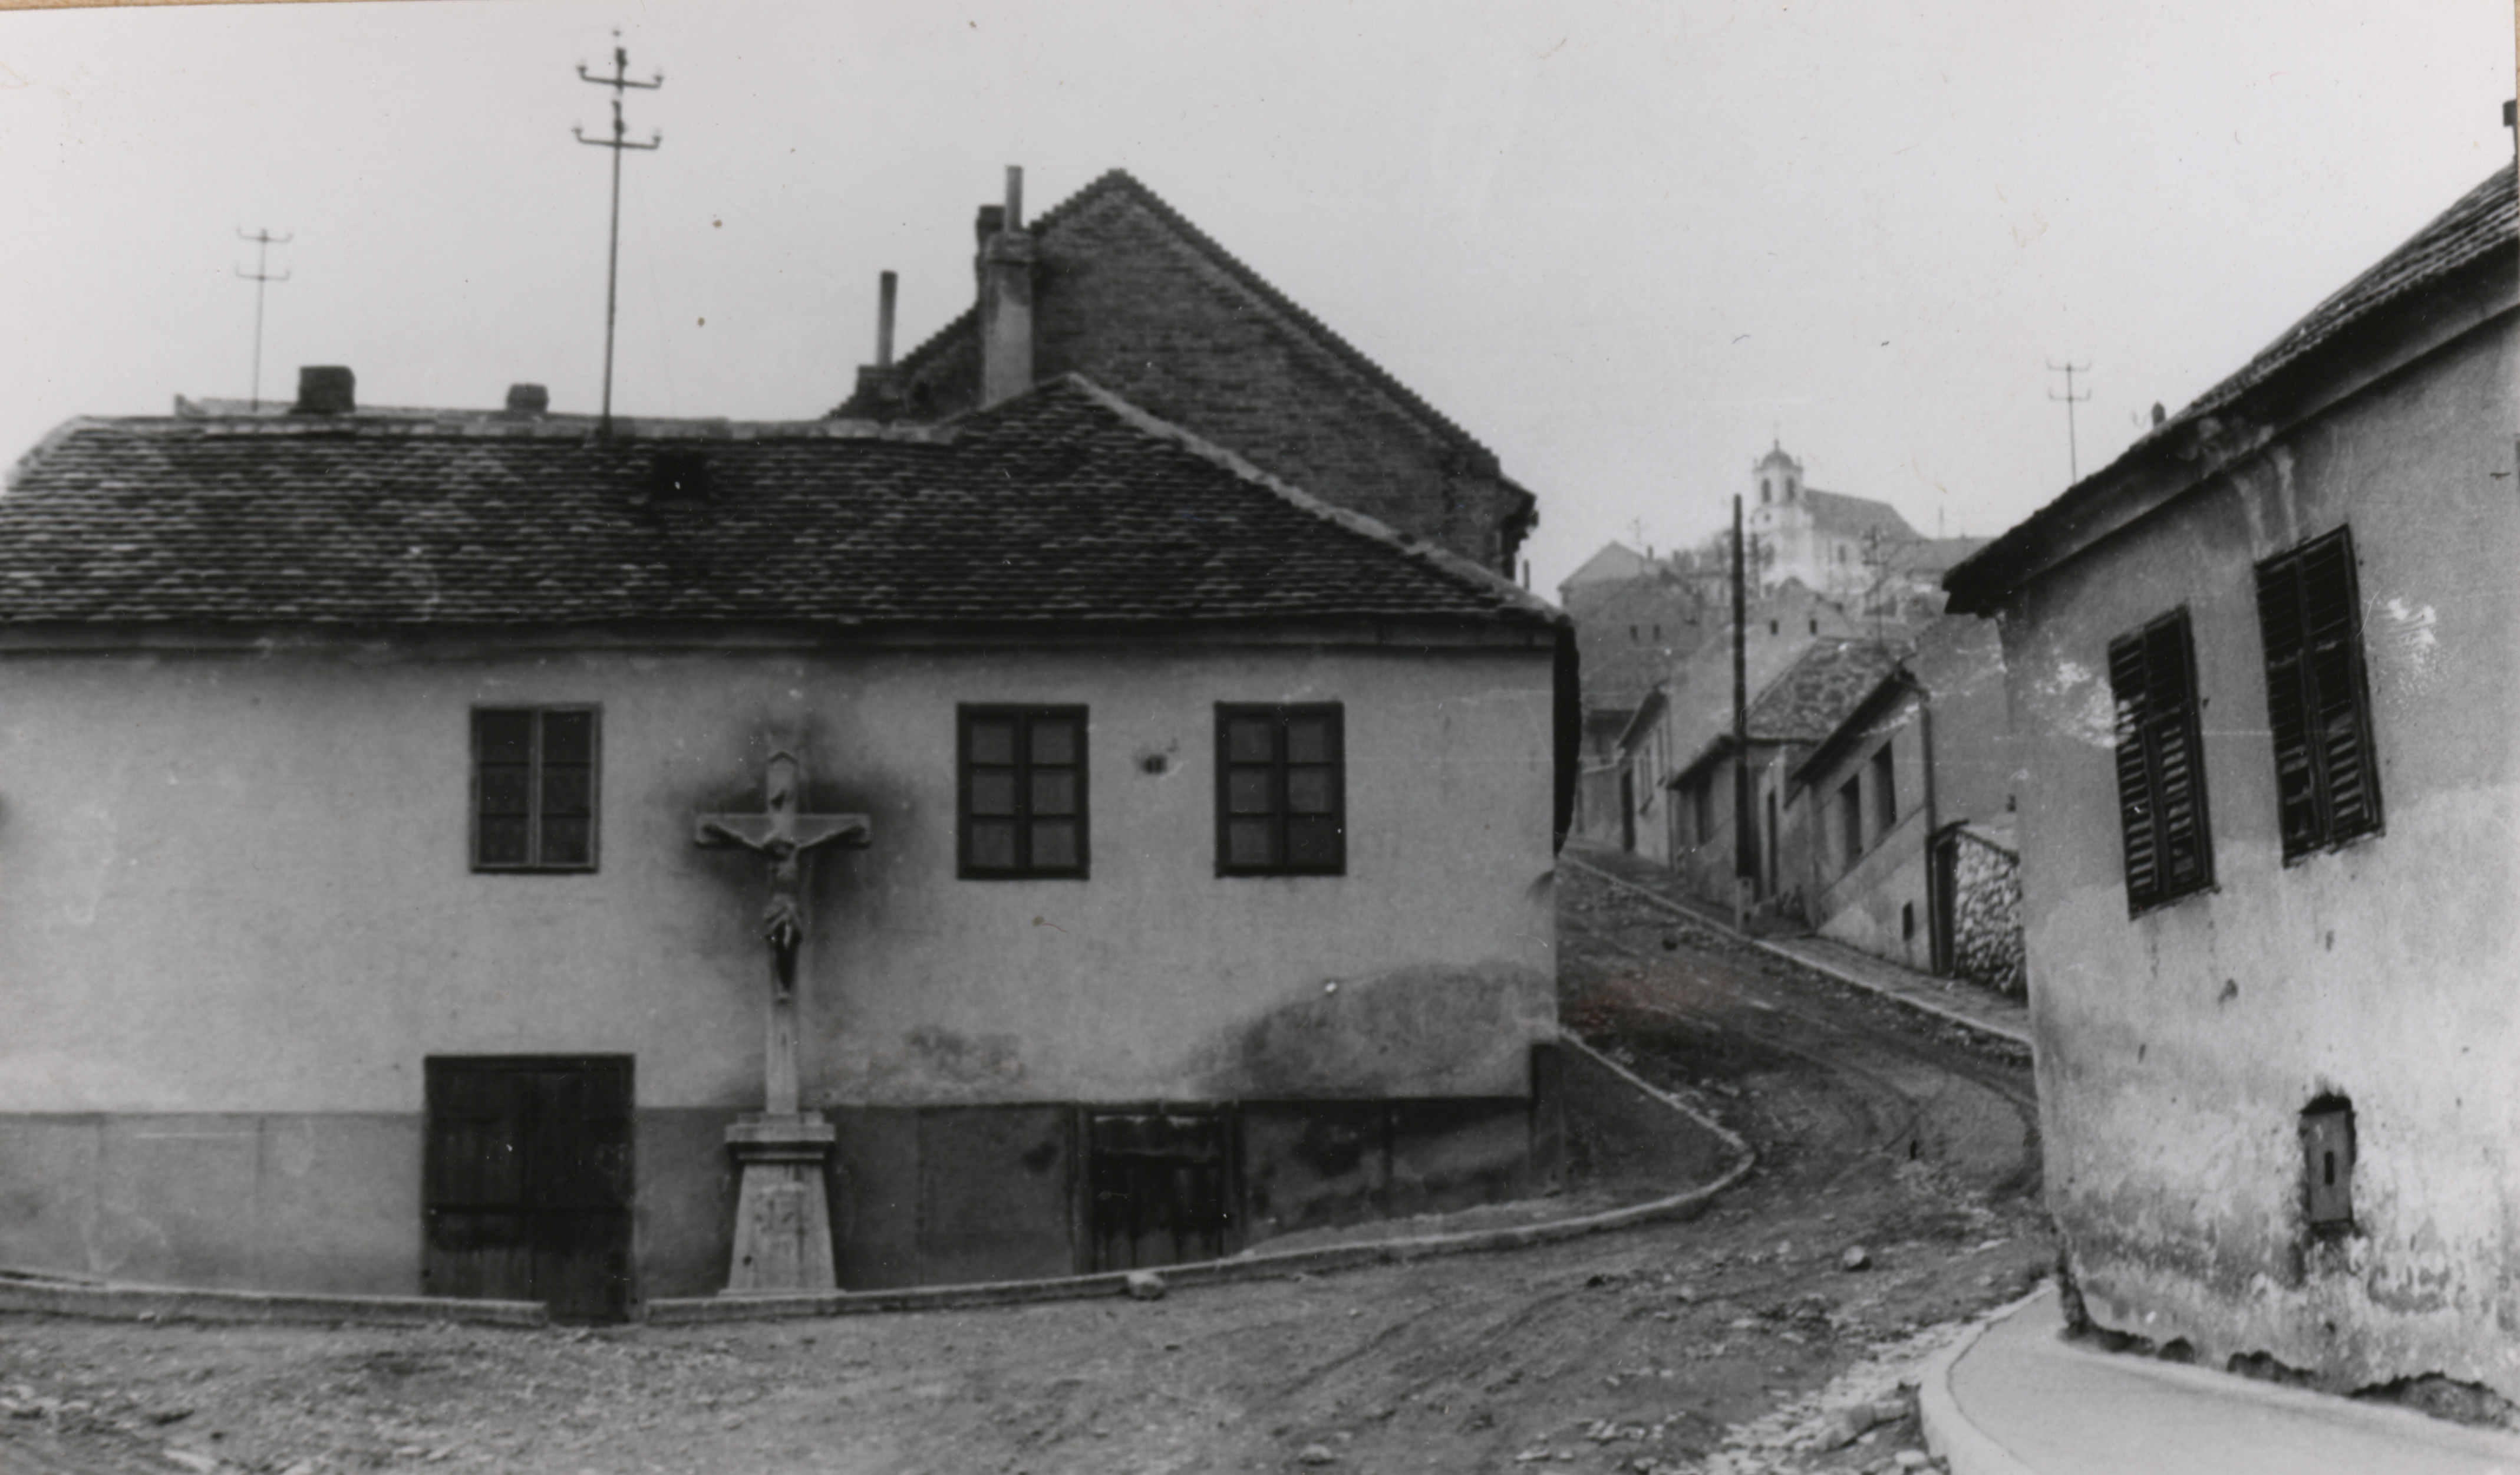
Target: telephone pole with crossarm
620 85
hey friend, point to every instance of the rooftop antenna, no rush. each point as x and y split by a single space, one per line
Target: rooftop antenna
621 84
2073 457
263 241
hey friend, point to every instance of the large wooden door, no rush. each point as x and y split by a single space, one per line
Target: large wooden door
527 1181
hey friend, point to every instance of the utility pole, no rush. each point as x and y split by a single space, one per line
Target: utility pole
263 241
621 84
2073 456
1746 863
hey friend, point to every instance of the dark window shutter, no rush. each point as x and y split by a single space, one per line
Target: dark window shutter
2178 781
2317 709
2279 620
2160 764
2134 781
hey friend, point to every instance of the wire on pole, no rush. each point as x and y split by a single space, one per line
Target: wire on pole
2073 455
263 241
621 84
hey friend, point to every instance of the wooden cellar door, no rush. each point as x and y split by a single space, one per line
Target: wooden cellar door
527 1181
1162 1185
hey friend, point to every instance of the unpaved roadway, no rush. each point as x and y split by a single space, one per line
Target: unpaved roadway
1707 1345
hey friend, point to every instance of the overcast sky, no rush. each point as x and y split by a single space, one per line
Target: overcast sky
1623 244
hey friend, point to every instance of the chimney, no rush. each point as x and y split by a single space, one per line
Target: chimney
325 390
1005 297
528 399
888 288
878 392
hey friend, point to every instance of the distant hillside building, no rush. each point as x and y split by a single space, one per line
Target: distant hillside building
1821 682
1908 807
1847 547
1116 285
1634 617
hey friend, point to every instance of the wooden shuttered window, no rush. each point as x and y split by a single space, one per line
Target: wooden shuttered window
2318 709
1022 791
2161 763
533 788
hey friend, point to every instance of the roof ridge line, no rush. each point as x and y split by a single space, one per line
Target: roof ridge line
1443 558
1120 179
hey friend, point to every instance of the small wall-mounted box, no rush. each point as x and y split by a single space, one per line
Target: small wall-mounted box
2327 1165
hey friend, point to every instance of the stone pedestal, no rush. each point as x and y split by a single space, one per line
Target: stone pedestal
782 1217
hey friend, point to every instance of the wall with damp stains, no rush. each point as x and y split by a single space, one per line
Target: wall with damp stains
2177 1049
237 887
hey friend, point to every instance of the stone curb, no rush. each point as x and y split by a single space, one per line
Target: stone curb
153 1303
1971 1450
1962 1444
1817 965
32 1292
1261 1266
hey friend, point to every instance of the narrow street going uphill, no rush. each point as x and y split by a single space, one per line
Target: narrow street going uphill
1896 1195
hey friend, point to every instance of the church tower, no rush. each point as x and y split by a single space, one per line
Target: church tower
1781 520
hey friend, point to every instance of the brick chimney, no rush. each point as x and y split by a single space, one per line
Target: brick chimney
879 386
326 390
1007 257
528 399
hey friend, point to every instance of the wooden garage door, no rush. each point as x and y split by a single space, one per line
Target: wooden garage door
527 1181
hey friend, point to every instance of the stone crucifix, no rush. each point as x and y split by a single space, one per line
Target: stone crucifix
783 1227
781 835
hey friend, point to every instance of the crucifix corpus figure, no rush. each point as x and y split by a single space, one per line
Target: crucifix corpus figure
783 1238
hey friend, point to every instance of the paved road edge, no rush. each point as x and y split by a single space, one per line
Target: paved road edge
1817 965
1949 1433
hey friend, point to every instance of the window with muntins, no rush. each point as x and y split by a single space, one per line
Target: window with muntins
2327 782
2160 764
533 788
1021 781
1281 791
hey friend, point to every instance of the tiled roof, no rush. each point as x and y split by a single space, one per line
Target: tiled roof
2485 220
1615 563
1120 181
1827 681
2483 225
1837 513
1063 504
1819 690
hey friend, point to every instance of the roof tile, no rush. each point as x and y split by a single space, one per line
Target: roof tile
1063 503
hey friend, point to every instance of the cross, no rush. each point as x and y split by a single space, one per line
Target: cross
781 835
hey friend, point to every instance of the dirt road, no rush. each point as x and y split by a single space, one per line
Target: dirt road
1710 1345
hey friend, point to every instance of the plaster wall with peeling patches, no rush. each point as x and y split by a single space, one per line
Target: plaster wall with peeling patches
2178 1048
238 914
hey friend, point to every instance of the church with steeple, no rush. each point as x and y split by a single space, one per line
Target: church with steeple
1845 547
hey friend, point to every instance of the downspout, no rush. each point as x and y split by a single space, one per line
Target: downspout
1567 733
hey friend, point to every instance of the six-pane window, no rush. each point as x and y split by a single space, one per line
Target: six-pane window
2327 786
533 788
1281 791
1022 791
2160 764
